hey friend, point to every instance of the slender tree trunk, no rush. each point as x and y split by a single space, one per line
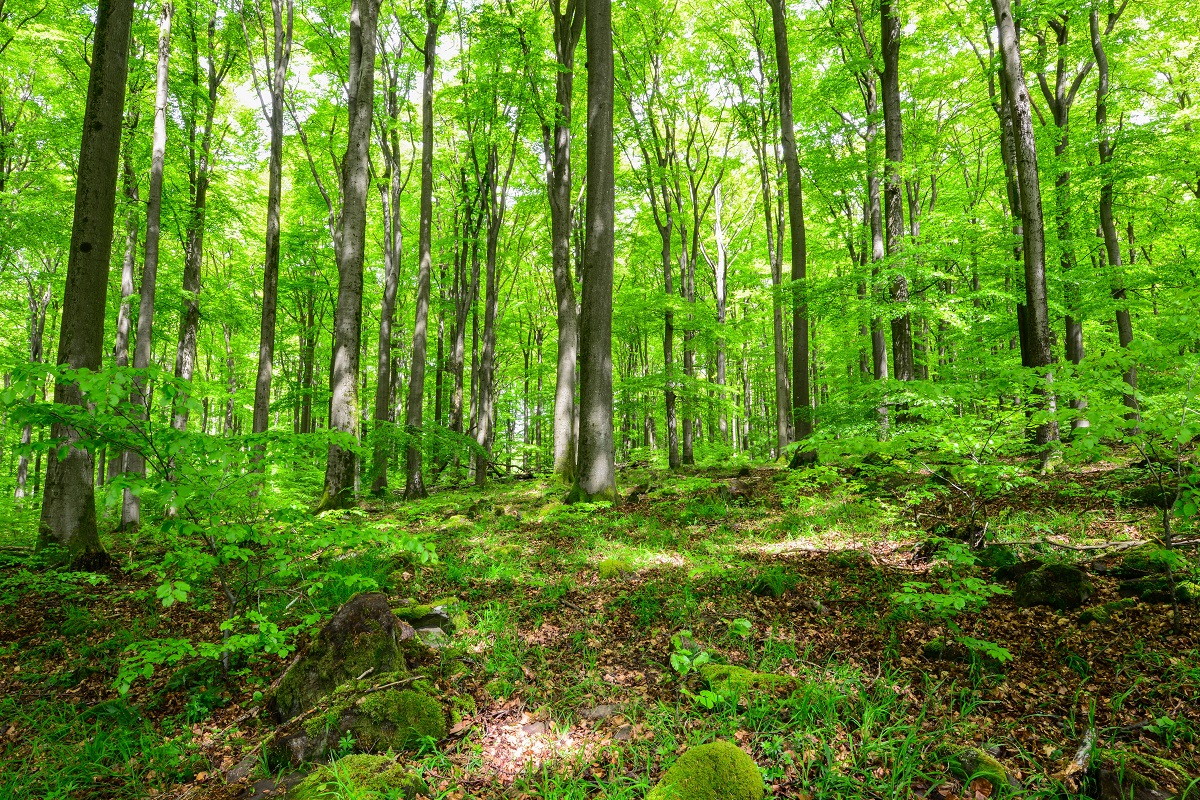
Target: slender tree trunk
68 519
39 302
415 482
134 461
277 77
801 412
1040 354
596 476
902 345
1108 226
664 231
721 295
344 408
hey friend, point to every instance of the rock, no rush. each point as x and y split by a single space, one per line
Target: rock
534 728
815 606
603 711
1104 613
611 568
735 682
637 493
802 458
440 613
736 491
378 721
363 636
361 775
715 771
433 638
941 650
974 763
1059 586
1014 572
995 556
623 733
1122 784
743 472
458 522
1157 589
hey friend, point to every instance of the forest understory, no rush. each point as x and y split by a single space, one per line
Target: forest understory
572 620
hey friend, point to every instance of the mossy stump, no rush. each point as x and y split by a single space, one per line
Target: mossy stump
733 681
715 771
1059 586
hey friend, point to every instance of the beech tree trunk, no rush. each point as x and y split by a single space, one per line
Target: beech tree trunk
801 414
276 74
344 414
1037 347
142 349
1108 226
415 482
596 477
68 518
902 344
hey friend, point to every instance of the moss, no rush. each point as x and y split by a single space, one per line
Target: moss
974 763
1104 613
456 523
1059 586
360 774
396 719
1149 558
715 771
461 706
740 682
614 568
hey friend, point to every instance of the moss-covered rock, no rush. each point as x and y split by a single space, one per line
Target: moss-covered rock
458 522
715 771
611 568
364 635
1014 572
358 775
995 556
974 763
1157 589
1059 586
1144 560
731 681
1104 613
446 613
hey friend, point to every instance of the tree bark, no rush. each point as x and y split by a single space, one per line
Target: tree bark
68 518
135 463
1108 226
1038 346
344 414
414 487
276 74
596 476
902 345
801 414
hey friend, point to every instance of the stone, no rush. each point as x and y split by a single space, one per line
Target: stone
716 771
803 458
602 711
1105 612
1014 572
1123 784
444 613
731 681
1157 589
1059 586
974 763
736 491
995 556
364 636
623 733
362 775
433 638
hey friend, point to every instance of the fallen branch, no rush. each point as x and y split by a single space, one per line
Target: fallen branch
1082 756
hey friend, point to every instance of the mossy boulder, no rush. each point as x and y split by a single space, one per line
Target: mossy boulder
995 556
1011 573
447 613
715 771
611 568
361 775
1146 560
732 681
458 522
974 763
363 636
1157 589
1059 586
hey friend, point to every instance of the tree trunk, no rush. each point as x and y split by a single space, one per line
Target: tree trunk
415 482
68 518
135 463
902 347
721 295
596 476
1040 354
277 78
1108 226
801 413
344 413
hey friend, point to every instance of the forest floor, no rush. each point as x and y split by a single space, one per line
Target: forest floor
572 671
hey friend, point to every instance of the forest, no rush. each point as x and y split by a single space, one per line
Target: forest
693 399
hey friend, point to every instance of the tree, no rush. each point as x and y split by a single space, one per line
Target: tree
801 394
275 68
347 321
1038 347
902 345
414 486
68 517
597 475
